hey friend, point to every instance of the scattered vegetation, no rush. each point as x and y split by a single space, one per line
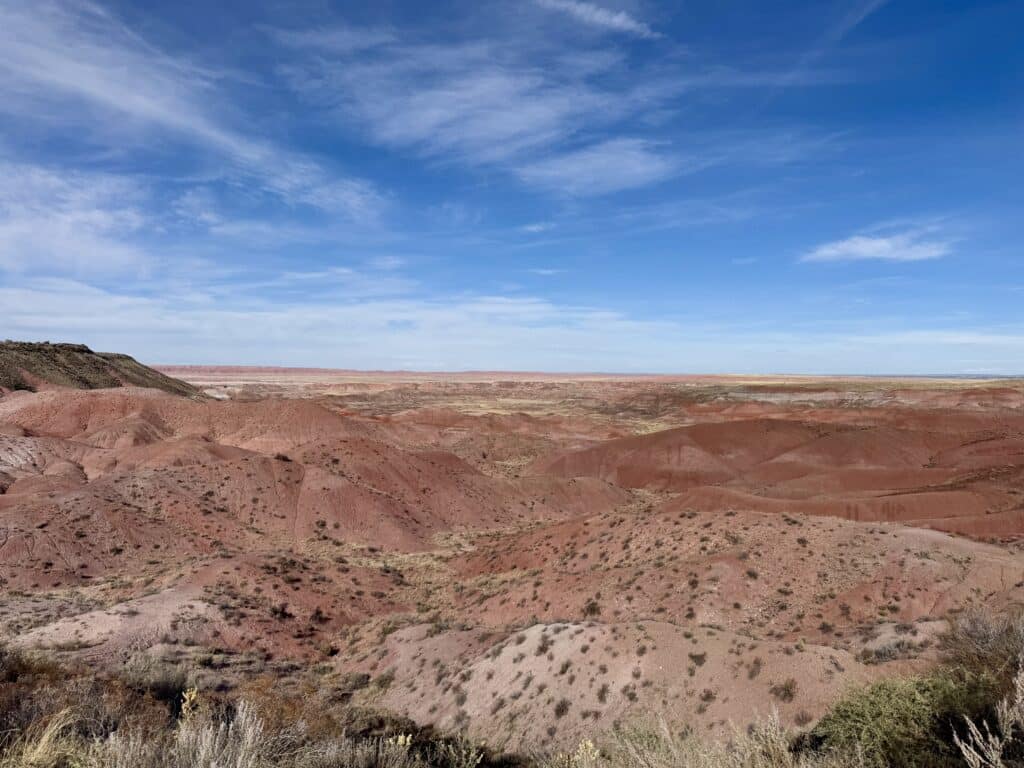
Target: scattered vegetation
77 366
764 745
968 711
55 717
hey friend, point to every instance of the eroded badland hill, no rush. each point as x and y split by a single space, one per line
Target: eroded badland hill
532 558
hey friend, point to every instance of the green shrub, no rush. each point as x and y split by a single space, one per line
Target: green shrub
907 722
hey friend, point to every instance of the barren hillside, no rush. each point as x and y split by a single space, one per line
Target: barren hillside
531 559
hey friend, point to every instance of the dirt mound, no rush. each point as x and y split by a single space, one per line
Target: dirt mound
36 366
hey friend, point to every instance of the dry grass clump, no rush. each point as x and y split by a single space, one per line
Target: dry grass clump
1001 745
982 641
239 740
766 744
34 692
54 717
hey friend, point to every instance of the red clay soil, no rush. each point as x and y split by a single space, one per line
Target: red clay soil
964 475
703 548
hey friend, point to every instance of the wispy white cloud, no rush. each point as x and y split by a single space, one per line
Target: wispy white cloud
520 105
55 220
79 55
71 221
608 166
537 227
316 284
463 332
913 245
334 39
445 332
595 15
454 215
387 263
197 205
82 51
857 12
472 102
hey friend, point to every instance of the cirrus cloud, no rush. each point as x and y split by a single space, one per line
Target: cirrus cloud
595 15
608 166
903 246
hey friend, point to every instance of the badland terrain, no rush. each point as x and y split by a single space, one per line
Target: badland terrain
530 559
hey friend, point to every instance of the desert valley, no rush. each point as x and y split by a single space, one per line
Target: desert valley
527 559
511 384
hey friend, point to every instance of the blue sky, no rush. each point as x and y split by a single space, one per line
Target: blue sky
562 185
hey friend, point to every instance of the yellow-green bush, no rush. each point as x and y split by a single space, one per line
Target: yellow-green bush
907 722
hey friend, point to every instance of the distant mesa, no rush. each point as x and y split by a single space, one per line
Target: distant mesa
35 366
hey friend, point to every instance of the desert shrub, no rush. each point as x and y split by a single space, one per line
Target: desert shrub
765 744
15 664
984 642
54 716
784 691
45 745
35 692
352 682
164 682
236 739
459 752
905 721
19 673
1000 745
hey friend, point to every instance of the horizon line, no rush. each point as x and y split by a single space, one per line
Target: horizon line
572 373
